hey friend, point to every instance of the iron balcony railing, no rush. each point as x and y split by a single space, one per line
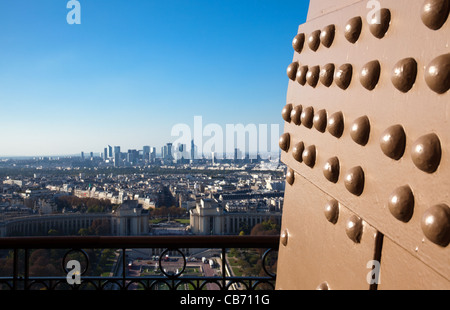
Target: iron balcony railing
169 272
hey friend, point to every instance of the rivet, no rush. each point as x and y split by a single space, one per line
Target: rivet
297 151
285 141
307 117
301 75
401 203
284 237
353 228
360 130
336 124
314 40
331 169
292 70
309 156
370 74
379 27
298 42
327 74
312 77
286 112
434 13
290 176
393 141
437 74
331 211
436 224
296 114
354 180
353 29
327 35
426 153
320 120
323 287
343 76
404 74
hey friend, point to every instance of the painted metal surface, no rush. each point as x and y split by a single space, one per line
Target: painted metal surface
369 128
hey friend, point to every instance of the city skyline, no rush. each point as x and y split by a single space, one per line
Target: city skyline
133 69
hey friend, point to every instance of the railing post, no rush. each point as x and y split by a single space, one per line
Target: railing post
26 269
223 268
15 268
124 259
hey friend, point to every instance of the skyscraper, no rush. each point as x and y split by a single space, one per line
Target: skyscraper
193 150
146 153
153 154
164 152
116 151
169 151
116 156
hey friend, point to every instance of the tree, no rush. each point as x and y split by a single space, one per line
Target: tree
100 227
53 232
83 232
266 228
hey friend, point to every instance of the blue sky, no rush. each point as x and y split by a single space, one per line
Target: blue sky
133 69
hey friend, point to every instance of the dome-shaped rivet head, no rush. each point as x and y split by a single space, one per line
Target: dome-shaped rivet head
296 113
354 228
331 211
393 141
327 75
286 112
436 224
354 181
437 74
353 29
336 124
292 70
379 27
309 156
435 13
327 35
323 287
320 120
404 74
331 169
401 203
343 76
297 151
301 75
284 237
307 117
426 153
370 74
312 77
285 141
290 176
298 42
314 40
360 130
